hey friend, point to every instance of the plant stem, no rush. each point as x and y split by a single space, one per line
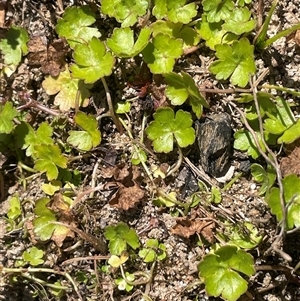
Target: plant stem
186 206
21 165
283 89
145 275
110 106
281 34
178 163
276 244
230 183
136 149
262 33
23 272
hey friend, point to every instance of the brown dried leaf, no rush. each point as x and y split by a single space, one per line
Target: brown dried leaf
60 233
297 37
51 59
127 197
108 172
29 227
58 204
123 173
291 163
186 227
64 215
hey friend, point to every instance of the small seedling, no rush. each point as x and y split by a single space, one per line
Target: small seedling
125 12
182 87
12 47
279 125
235 61
244 141
216 196
74 26
119 237
291 192
14 212
166 127
153 251
123 284
266 177
44 223
122 42
243 236
33 256
89 137
115 261
221 270
161 53
67 87
164 201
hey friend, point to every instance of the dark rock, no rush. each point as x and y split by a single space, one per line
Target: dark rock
214 141
187 182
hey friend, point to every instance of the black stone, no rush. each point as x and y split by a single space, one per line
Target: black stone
214 141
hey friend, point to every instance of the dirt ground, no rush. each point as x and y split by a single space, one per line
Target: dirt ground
176 278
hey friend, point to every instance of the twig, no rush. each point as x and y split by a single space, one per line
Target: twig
225 91
32 103
82 194
274 268
274 163
260 11
2 197
94 175
96 257
200 173
97 243
283 89
276 166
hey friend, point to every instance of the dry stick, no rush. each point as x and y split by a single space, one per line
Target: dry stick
249 128
97 243
225 91
2 191
260 12
96 257
275 245
110 106
32 103
275 164
94 175
82 194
